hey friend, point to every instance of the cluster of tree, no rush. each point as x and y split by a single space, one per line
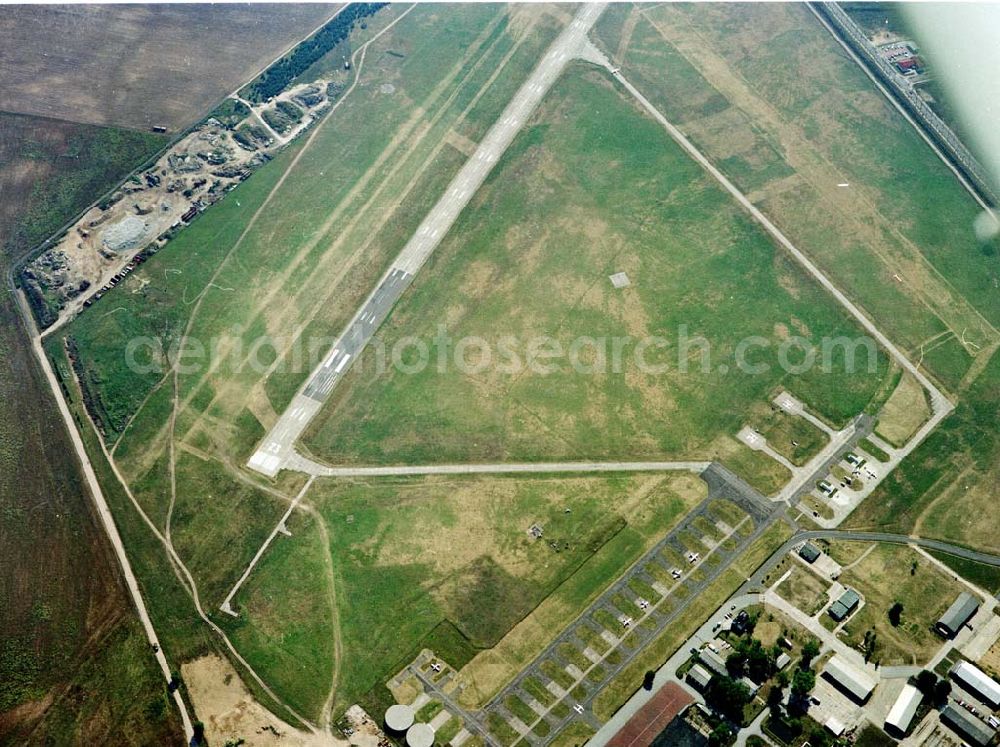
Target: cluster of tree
802 681
896 614
749 658
721 736
934 689
276 78
868 644
728 697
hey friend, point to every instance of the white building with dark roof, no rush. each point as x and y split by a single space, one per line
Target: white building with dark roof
976 681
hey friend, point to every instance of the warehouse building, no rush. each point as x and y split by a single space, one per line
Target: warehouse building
699 677
977 682
903 711
844 606
849 679
960 612
968 726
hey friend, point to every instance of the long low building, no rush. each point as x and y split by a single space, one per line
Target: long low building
713 661
960 612
699 677
976 681
968 726
853 681
903 710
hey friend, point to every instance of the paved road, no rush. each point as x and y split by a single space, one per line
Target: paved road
276 448
842 28
899 539
666 673
309 467
281 526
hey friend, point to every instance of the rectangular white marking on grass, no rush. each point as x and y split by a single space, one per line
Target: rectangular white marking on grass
620 280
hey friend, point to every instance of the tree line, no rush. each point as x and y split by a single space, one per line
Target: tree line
276 78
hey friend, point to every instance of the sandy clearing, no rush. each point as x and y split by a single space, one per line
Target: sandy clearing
228 710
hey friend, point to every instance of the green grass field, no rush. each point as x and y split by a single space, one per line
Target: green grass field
593 187
415 558
891 574
372 170
767 94
377 570
944 488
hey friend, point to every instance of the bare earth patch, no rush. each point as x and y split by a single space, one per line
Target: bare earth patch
229 712
904 412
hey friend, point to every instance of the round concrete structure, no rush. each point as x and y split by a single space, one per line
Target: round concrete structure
399 718
420 735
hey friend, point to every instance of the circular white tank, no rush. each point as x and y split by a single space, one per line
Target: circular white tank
420 735
399 718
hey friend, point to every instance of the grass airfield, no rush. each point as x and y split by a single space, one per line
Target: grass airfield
590 188
376 570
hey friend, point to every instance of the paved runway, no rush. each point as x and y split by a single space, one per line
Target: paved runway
302 464
276 448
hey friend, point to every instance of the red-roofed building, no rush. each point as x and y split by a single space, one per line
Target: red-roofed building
652 718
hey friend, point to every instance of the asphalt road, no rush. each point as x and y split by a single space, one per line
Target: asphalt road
276 448
723 484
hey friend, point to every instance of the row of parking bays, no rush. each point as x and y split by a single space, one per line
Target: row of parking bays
557 687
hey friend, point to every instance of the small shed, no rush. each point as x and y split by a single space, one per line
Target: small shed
809 552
